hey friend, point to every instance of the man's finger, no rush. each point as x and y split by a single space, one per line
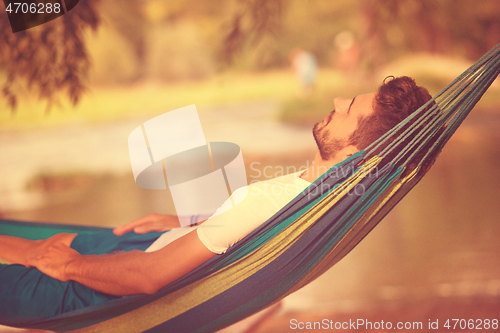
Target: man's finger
128 227
144 229
118 231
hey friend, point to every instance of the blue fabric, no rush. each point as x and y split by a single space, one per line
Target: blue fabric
104 241
26 294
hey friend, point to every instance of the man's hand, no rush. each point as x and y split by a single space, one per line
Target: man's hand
125 273
54 260
149 223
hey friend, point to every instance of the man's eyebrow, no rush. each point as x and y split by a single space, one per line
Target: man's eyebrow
352 102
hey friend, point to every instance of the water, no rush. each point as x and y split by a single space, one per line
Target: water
440 241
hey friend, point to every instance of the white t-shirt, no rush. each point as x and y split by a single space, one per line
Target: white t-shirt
230 224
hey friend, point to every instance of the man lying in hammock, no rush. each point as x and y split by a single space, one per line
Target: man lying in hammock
69 271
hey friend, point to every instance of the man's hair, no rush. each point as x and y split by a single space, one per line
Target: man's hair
395 100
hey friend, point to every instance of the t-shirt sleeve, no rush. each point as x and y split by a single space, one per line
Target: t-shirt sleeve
256 204
230 224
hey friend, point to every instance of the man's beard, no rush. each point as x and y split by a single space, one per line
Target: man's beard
327 147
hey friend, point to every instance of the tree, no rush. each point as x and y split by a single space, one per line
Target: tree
50 58
444 27
251 21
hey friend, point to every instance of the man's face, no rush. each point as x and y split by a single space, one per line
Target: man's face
332 134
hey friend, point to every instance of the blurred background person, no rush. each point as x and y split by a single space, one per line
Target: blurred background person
305 67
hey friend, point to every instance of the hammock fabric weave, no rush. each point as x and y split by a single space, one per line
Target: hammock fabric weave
300 242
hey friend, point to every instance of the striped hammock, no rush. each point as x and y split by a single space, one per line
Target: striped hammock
300 242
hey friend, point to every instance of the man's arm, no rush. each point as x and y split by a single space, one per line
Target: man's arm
125 273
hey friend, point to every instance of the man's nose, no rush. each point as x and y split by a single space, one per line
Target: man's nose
341 104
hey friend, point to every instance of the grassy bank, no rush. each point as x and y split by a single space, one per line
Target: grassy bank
112 103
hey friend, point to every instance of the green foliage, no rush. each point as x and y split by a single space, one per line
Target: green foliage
176 52
458 27
113 58
252 20
49 58
192 39
311 25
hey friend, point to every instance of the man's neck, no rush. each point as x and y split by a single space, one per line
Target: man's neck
320 166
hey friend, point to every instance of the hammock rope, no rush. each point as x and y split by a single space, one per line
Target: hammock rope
309 235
